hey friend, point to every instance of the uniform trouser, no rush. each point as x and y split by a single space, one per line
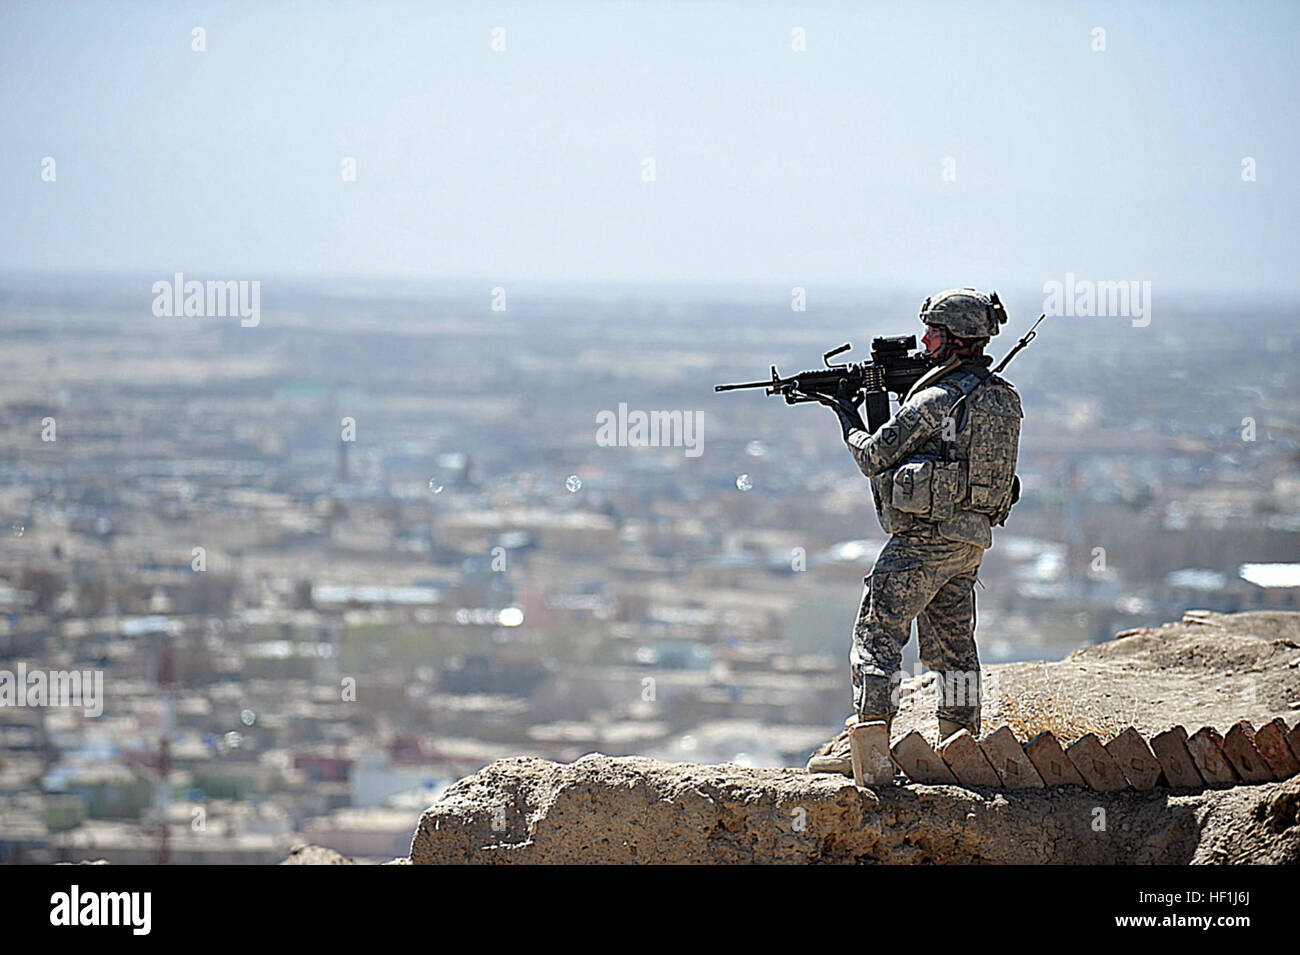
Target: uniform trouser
932 580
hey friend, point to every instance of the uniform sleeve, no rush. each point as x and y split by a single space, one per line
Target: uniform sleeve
919 419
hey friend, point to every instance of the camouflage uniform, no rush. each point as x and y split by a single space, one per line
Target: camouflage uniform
941 471
931 580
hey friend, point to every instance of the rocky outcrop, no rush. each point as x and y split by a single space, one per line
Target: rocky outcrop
319 855
315 855
603 809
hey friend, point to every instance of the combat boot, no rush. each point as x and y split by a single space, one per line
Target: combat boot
947 727
839 760
834 762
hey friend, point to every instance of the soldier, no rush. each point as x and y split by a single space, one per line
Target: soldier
942 473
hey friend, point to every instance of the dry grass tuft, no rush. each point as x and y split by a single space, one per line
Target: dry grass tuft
1036 710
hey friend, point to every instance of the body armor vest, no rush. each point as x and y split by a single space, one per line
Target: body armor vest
962 480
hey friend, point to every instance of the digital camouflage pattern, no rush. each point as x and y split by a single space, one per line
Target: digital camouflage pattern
965 312
990 446
932 580
941 472
930 466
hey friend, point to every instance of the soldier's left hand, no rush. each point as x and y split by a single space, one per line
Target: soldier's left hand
845 410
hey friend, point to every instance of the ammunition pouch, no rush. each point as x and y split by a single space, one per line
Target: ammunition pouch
930 490
912 491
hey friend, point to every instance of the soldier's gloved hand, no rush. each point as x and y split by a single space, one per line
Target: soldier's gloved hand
846 411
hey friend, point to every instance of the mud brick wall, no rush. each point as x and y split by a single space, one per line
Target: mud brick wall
1173 759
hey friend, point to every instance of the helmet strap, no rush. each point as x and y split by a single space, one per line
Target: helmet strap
951 346
964 348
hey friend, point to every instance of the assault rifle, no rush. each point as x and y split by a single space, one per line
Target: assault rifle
891 370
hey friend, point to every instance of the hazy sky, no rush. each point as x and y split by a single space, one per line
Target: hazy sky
772 165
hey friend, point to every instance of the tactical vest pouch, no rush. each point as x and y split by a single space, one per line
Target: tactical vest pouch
882 495
947 490
913 493
984 499
995 438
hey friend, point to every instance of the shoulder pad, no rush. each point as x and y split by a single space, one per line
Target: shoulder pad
999 396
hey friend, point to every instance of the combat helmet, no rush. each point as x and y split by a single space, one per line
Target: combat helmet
965 313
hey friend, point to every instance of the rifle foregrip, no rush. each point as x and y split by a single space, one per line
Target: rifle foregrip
877 407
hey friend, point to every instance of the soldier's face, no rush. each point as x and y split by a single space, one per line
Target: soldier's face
932 340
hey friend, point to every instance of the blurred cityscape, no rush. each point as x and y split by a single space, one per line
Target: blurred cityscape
330 564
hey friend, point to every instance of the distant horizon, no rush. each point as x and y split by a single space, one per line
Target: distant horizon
770 293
